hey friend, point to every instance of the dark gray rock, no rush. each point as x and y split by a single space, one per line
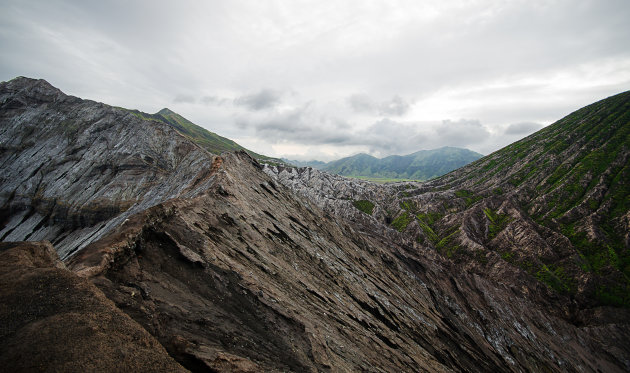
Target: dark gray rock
73 169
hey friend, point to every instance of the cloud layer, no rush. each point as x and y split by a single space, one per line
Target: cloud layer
265 99
331 78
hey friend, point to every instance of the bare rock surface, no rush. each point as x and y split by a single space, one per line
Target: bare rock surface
73 169
251 271
51 320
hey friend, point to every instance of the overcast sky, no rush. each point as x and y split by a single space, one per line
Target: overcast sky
325 79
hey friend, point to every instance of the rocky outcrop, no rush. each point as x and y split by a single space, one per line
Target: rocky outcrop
74 169
53 321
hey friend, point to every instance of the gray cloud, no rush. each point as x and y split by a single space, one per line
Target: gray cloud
395 107
186 99
300 125
383 137
392 137
466 60
213 100
265 99
462 132
362 103
523 128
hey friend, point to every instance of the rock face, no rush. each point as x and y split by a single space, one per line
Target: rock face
232 270
53 321
73 169
249 270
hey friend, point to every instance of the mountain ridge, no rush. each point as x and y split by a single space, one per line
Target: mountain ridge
579 242
210 141
236 266
73 169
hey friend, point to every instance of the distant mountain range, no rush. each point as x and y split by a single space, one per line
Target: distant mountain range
421 165
314 163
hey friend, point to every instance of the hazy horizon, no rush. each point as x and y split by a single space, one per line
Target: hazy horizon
321 80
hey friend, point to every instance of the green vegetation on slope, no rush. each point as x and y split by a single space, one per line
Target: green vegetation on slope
208 140
402 221
364 206
572 177
469 197
498 222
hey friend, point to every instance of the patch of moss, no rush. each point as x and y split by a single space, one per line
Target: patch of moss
469 197
617 296
480 256
402 221
444 242
364 205
407 205
508 256
523 174
498 222
595 256
429 232
555 278
430 217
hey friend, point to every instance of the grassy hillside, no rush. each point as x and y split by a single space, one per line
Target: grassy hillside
208 140
572 177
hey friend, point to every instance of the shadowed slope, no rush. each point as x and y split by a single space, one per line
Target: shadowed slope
53 321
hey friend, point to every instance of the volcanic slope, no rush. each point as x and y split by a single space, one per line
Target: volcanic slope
231 271
553 207
72 169
571 183
251 274
208 140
